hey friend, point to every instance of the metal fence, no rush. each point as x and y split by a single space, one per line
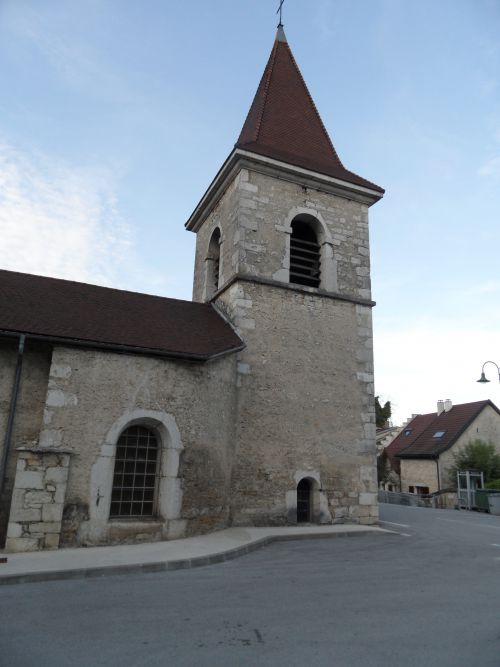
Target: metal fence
441 500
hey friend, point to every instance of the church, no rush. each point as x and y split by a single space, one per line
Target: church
127 417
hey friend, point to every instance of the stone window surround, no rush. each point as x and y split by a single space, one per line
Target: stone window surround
169 484
209 265
320 510
328 264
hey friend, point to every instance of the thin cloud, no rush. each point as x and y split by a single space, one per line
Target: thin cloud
490 168
59 220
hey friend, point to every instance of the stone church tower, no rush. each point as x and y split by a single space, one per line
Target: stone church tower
129 417
282 250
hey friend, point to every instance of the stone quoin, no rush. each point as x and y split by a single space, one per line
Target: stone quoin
128 417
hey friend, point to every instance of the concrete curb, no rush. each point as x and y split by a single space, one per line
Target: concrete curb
163 566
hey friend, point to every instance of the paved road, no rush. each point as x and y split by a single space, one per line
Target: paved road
429 595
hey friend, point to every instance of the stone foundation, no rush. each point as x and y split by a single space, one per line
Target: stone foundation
38 500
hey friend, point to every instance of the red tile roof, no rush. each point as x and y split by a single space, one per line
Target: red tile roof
283 122
78 313
408 435
421 443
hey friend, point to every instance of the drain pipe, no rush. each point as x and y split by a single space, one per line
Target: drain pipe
12 412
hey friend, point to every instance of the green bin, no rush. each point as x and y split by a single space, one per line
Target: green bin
482 499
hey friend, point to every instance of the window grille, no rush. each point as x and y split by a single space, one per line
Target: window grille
136 473
305 262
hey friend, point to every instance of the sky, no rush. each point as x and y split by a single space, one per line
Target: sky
116 115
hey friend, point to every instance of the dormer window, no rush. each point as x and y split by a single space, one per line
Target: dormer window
305 253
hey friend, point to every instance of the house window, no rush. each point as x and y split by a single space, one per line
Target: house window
439 434
305 257
408 431
136 473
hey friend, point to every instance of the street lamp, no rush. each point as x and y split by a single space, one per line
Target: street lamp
483 379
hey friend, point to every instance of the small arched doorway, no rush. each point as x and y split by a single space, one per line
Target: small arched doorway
304 504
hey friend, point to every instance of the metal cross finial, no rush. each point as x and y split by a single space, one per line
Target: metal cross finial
279 12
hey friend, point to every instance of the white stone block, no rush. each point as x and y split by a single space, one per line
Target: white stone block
50 438
60 494
14 530
52 512
20 544
51 541
60 371
56 475
25 515
29 479
44 527
367 498
36 498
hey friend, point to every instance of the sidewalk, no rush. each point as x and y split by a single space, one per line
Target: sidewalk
158 556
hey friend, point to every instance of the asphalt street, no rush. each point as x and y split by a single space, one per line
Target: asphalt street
429 594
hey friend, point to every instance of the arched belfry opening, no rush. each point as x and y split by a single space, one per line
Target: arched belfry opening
305 252
213 263
304 501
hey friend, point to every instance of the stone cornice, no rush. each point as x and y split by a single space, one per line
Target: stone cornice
310 291
240 159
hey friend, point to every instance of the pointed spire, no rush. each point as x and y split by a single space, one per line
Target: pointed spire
283 122
280 34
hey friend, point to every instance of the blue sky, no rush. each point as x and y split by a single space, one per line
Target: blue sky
115 116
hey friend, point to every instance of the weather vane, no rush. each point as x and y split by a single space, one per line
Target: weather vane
279 12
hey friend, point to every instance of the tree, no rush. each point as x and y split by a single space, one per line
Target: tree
477 455
382 414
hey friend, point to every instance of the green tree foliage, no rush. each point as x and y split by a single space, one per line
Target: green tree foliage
383 469
382 414
477 455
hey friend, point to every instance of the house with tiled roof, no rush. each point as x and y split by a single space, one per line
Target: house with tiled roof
127 417
422 454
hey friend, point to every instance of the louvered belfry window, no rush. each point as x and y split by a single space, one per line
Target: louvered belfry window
136 473
305 258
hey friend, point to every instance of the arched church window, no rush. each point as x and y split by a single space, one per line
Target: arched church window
213 274
135 477
305 254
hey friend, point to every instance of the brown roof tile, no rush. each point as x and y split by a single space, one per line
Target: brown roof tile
283 122
453 423
104 317
408 435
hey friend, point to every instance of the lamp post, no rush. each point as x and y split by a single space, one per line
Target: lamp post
483 379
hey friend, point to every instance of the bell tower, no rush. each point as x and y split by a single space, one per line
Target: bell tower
283 250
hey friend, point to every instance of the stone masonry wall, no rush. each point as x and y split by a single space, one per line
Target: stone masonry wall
38 500
254 216
418 472
485 427
305 406
94 395
29 409
305 378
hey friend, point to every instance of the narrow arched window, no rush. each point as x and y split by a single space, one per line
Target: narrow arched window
304 489
136 473
305 257
213 269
